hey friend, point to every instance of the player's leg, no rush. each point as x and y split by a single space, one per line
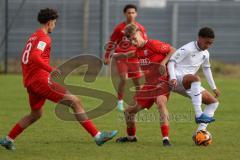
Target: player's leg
36 104
211 106
193 87
193 84
136 83
122 72
142 100
161 102
64 97
134 72
129 114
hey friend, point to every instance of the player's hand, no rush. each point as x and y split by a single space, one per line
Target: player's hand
173 82
106 61
163 70
217 93
55 74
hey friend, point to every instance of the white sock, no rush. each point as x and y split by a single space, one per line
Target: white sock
165 138
97 136
10 139
196 96
120 101
210 109
131 137
202 126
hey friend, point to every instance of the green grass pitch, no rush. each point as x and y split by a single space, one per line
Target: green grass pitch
54 139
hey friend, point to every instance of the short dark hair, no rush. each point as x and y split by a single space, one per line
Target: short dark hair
46 15
206 32
128 6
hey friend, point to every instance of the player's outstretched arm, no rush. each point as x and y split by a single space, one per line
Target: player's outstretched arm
206 66
166 59
176 57
163 67
111 45
208 74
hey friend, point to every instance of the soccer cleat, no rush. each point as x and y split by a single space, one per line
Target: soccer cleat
104 137
9 145
166 143
126 139
120 106
204 119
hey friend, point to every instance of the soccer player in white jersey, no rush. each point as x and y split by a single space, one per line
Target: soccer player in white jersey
183 66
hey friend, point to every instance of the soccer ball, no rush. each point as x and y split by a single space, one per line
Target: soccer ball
202 138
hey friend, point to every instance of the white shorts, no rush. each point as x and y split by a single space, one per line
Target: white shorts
180 88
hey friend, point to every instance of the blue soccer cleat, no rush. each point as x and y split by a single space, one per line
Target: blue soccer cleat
104 137
204 119
9 145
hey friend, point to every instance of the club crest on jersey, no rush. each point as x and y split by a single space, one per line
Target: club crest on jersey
144 62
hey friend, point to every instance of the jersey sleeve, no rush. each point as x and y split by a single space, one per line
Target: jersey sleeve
113 41
163 48
36 52
206 62
144 33
179 55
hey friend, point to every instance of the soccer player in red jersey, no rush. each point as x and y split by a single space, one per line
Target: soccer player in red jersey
36 77
153 56
126 67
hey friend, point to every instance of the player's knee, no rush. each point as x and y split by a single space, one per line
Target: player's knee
72 101
35 116
195 78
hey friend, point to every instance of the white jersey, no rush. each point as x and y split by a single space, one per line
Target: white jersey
189 58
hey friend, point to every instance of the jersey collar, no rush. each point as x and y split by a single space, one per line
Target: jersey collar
196 45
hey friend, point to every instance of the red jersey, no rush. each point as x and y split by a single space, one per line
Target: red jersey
36 58
150 57
119 39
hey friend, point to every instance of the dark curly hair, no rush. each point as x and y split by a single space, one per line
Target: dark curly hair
46 15
206 32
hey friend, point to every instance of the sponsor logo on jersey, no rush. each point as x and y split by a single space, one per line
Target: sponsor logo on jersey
144 62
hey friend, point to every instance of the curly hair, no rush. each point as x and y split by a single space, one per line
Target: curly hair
206 32
46 15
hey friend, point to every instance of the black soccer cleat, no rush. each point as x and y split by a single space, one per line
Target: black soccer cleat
126 139
166 143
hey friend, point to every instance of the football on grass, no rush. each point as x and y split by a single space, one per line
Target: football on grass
202 138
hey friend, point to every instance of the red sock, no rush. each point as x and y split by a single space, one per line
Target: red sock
131 131
120 96
90 127
16 130
165 130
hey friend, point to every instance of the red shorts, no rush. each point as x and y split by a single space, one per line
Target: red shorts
39 91
131 68
148 94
